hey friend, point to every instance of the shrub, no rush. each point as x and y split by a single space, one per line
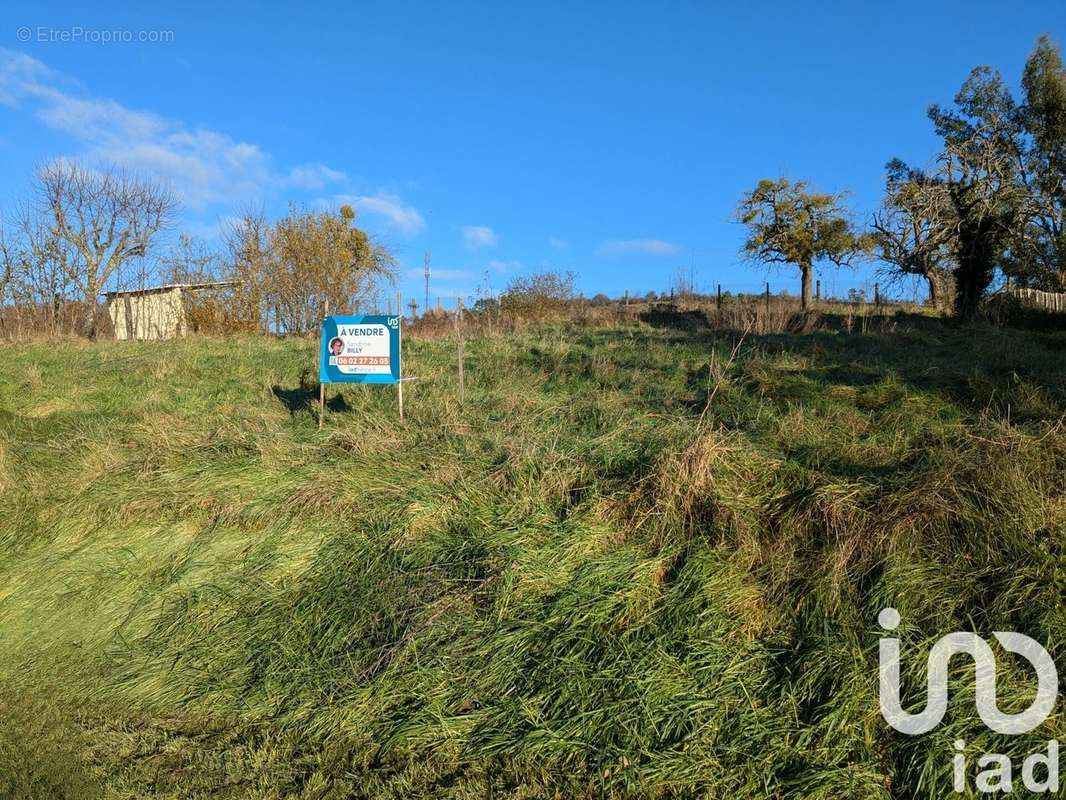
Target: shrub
538 296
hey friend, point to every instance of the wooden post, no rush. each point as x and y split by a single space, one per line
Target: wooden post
321 384
459 330
399 349
719 297
877 294
768 301
818 290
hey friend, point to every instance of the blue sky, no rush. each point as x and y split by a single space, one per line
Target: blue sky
613 139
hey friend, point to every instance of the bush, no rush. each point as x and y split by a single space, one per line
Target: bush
538 296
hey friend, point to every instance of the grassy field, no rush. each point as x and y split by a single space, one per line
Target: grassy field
640 561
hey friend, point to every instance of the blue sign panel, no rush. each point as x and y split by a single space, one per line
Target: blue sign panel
360 350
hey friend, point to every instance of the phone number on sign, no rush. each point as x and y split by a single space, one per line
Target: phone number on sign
362 361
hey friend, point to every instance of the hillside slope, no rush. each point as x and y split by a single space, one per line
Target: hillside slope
628 566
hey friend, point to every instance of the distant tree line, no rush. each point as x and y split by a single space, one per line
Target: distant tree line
83 231
992 203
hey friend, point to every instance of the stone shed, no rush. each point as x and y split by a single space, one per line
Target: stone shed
157 312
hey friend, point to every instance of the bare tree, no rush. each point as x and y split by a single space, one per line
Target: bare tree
34 264
106 218
190 260
8 265
248 254
915 229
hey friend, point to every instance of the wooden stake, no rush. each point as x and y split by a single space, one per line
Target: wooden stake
399 336
459 330
321 384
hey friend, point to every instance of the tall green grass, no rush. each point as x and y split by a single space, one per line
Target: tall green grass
631 564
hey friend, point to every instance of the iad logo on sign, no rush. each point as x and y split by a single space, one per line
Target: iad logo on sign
360 350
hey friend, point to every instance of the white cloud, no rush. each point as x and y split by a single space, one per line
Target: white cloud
477 236
622 247
504 266
403 218
557 243
21 75
314 176
204 166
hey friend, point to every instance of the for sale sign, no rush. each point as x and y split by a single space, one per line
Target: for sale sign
360 350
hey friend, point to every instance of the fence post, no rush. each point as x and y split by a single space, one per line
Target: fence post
877 294
719 303
768 302
818 290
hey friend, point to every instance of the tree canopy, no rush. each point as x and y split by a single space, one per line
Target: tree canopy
994 203
788 223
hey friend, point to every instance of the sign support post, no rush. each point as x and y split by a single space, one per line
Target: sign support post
360 349
399 336
321 383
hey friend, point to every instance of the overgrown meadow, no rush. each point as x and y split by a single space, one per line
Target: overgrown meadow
638 561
